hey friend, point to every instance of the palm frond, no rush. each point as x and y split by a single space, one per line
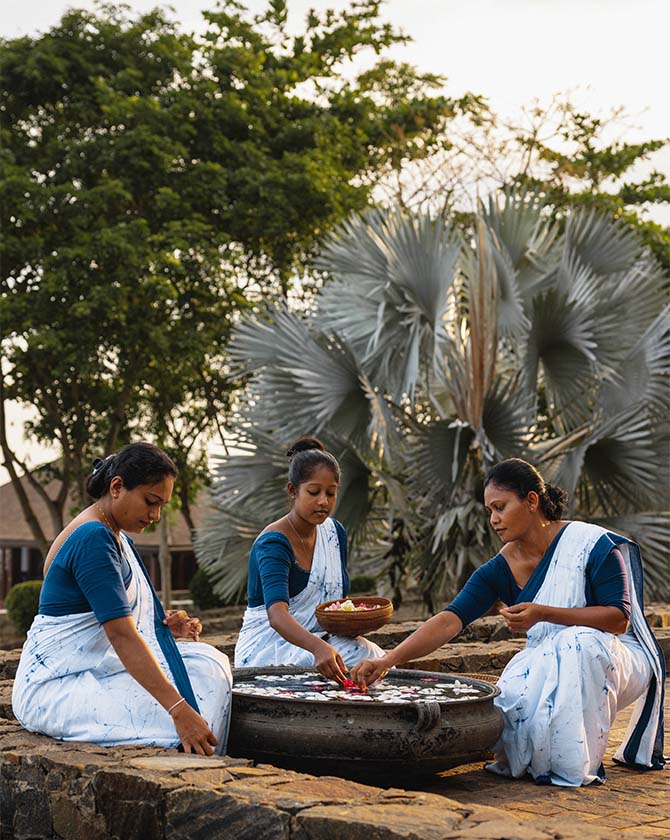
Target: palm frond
506 418
274 336
644 375
222 545
435 458
394 320
605 245
524 235
620 469
249 490
561 346
512 320
313 382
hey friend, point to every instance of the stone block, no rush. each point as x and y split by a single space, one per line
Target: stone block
72 822
475 657
32 812
419 821
192 814
9 662
176 763
131 803
6 711
391 635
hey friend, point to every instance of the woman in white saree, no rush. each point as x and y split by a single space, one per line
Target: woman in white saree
576 590
101 663
296 563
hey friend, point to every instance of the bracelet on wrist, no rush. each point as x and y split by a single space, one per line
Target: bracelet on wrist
174 705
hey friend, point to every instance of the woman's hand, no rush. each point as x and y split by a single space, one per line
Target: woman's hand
368 671
193 730
329 663
182 625
521 617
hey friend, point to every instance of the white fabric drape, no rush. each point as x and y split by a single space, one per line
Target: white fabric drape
561 694
70 683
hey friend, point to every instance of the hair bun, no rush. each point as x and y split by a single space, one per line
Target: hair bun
303 444
557 500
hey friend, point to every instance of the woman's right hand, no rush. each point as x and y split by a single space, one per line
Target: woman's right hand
368 671
329 663
193 730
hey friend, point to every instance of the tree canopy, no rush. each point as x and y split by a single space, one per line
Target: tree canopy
153 184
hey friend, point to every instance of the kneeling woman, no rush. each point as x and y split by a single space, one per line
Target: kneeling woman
100 663
296 563
574 587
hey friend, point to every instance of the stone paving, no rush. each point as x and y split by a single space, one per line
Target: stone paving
630 804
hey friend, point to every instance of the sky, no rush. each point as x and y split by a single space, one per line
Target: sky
609 53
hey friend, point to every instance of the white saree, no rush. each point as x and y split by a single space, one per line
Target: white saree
70 683
561 694
258 644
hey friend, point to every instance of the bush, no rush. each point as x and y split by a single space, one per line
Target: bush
22 603
202 592
362 585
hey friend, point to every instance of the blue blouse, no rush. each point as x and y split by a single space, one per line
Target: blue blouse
88 574
274 573
606 584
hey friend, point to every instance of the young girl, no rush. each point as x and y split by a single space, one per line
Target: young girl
296 563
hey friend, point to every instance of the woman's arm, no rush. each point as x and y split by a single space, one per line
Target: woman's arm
437 631
327 660
521 617
192 729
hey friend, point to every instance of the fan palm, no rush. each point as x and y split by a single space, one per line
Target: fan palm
429 355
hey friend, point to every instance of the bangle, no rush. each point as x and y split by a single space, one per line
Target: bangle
174 705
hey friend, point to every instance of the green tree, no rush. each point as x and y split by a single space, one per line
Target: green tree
153 185
428 357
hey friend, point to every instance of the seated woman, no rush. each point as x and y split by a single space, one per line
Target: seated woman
295 564
577 591
100 663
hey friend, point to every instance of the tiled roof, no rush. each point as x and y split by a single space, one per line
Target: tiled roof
14 528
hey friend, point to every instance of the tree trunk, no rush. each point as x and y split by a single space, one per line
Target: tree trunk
165 561
8 457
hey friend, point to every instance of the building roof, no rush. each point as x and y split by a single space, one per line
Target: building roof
14 529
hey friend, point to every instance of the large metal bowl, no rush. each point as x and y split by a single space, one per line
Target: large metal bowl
363 740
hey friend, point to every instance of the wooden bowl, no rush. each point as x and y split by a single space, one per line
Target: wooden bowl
354 623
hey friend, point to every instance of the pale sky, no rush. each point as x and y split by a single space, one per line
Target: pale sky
609 52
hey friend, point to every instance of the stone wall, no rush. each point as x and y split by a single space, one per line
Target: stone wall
49 789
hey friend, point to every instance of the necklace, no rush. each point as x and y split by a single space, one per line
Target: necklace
106 520
302 542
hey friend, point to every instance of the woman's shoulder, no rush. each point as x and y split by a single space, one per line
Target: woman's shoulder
78 538
274 541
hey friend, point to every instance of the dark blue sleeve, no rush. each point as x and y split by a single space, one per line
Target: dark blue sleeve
274 558
607 581
96 566
482 589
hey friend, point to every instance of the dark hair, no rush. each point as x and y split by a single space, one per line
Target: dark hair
305 455
522 478
136 463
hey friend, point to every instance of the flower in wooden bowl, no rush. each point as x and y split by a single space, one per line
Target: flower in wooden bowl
354 616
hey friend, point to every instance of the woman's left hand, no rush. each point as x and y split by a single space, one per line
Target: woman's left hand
521 617
182 625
